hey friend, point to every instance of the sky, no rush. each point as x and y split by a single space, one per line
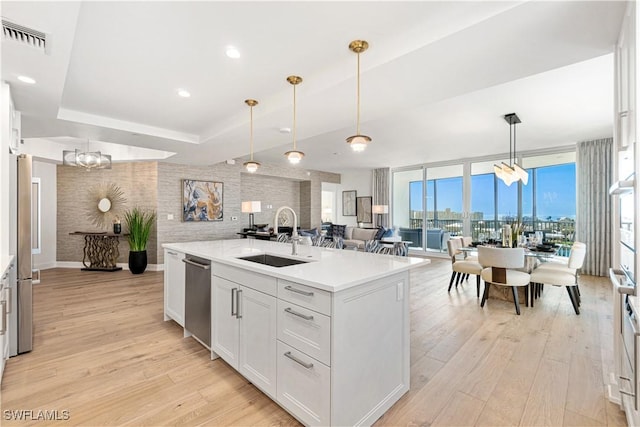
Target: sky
555 194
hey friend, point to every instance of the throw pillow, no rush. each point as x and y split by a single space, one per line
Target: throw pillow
311 233
338 230
379 233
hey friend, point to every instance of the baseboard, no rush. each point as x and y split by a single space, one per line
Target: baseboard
46 266
125 266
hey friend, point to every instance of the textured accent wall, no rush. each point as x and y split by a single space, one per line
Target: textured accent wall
270 191
170 178
138 181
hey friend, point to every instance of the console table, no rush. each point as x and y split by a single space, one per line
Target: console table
100 251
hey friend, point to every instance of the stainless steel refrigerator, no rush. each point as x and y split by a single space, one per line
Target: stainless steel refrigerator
22 334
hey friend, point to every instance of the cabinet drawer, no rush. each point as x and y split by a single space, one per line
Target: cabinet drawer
256 281
306 330
305 296
304 386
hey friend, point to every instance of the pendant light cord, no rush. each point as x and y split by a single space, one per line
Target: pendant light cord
251 138
294 117
358 96
514 143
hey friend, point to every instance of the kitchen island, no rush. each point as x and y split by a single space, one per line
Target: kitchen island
327 339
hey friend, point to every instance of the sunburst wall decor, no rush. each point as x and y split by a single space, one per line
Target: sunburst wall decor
106 203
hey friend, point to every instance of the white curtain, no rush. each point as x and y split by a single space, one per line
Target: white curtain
381 191
593 218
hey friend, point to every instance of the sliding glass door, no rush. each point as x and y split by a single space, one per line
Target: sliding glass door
408 205
445 214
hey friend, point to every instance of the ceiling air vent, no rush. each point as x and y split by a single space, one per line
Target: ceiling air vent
24 35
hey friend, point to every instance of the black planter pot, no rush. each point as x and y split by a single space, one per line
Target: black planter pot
137 261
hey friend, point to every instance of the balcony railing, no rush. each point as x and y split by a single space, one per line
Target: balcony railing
555 231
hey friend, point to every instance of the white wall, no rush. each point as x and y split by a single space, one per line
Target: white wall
4 175
48 199
362 182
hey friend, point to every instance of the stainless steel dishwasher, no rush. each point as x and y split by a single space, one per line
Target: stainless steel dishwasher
197 298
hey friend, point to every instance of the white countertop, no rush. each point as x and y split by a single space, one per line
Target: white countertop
328 269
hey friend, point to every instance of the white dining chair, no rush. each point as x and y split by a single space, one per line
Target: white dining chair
563 276
462 268
499 269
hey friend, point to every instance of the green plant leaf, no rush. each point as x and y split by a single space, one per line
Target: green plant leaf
139 223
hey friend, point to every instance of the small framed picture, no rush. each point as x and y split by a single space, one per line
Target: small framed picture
363 209
349 203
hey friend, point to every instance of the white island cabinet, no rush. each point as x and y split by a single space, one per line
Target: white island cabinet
327 339
243 323
174 286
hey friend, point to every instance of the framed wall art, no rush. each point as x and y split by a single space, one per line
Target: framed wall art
363 209
349 203
201 200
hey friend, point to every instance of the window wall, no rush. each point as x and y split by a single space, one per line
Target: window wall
467 199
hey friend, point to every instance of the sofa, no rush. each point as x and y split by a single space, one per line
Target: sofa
436 237
354 237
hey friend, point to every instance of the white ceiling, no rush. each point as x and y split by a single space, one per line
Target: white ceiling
436 80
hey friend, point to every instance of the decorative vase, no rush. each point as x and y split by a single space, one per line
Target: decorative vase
117 228
137 261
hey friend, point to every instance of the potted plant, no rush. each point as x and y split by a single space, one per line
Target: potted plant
139 223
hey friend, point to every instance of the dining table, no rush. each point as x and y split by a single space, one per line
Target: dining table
532 258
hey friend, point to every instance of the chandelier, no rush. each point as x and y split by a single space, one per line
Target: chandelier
512 172
251 166
358 142
294 155
86 159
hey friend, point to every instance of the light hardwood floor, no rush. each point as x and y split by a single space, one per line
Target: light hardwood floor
103 353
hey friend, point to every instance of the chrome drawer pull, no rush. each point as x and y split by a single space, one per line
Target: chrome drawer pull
298 361
196 264
298 291
627 393
295 313
4 317
172 253
233 300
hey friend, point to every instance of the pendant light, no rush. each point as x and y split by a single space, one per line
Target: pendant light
358 142
251 166
512 172
294 155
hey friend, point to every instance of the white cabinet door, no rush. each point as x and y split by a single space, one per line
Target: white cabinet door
174 286
258 330
225 333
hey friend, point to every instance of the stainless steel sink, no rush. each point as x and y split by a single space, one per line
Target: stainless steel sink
272 260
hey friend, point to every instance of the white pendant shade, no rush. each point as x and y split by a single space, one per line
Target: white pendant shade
522 174
512 172
294 157
358 142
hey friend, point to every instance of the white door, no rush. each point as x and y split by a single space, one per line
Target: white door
258 314
174 285
224 323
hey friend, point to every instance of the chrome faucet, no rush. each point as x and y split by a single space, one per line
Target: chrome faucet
294 234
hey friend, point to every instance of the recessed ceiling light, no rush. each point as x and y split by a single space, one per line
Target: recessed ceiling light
183 93
232 52
285 130
26 79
